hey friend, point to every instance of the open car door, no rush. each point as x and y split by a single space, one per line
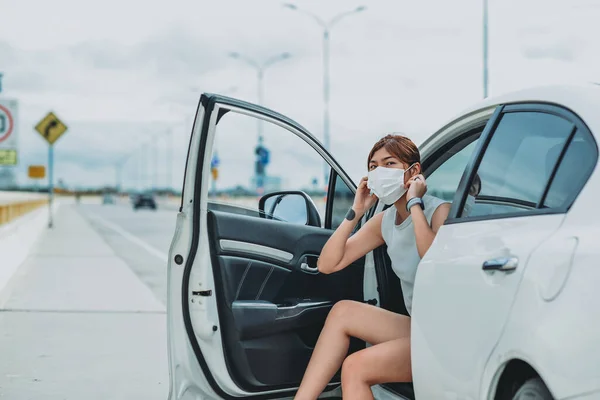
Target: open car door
246 303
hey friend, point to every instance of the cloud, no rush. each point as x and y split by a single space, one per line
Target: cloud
116 78
170 53
558 51
566 49
7 54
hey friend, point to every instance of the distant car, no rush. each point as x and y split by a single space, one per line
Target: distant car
144 201
108 199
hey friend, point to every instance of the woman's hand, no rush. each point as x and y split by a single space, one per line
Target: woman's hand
363 200
417 187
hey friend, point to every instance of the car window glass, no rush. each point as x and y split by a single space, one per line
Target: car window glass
245 167
443 182
342 202
517 163
578 162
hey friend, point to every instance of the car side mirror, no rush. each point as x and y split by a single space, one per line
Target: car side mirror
291 206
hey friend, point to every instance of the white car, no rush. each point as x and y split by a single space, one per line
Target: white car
506 301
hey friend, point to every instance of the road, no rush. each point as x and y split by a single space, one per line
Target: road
84 316
141 238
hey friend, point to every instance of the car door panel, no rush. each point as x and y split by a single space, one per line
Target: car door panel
472 304
251 305
468 280
271 310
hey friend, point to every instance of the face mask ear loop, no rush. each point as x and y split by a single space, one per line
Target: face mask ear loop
408 169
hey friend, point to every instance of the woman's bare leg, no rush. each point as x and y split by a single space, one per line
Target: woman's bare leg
348 319
384 362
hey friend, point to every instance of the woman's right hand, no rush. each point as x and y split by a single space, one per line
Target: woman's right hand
363 200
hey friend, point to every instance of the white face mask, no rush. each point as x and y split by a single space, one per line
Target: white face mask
387 183
469 203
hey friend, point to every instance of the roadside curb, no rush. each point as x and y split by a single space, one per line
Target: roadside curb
17 239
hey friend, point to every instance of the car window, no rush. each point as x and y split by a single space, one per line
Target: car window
343 198
517 164
443 182
246 166
574 169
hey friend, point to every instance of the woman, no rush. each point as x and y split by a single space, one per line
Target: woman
408 230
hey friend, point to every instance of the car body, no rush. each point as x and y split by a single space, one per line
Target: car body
108 199
504 299
144 200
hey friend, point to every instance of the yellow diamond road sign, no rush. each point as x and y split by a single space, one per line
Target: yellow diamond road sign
51 128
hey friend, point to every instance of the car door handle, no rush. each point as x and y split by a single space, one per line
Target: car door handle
306 264
307 268
501 264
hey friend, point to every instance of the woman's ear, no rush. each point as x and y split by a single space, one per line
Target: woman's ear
416 169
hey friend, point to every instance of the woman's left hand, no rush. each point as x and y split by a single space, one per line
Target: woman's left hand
417 187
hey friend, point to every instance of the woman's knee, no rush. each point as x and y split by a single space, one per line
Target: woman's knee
341 311
353 369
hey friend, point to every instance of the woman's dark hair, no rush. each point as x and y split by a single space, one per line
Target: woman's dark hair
399 146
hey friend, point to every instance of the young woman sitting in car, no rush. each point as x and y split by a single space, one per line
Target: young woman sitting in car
408 228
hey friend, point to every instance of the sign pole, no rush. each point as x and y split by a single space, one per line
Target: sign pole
51 128
50 183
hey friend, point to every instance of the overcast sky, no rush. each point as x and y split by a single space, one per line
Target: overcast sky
117 72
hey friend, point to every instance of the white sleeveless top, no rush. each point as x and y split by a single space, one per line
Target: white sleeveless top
402 245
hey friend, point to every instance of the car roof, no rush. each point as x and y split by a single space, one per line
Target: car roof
582 99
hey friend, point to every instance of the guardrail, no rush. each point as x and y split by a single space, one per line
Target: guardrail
10 211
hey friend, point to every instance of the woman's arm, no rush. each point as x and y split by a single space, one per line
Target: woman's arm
341 251
424 233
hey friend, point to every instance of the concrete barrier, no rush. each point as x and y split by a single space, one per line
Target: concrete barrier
17 238
16 209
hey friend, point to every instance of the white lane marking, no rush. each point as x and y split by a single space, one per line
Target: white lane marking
132 238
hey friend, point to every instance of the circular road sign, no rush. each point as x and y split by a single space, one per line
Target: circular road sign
6 123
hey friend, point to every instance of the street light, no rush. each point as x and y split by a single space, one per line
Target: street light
260 70
327 26
119 170
485 49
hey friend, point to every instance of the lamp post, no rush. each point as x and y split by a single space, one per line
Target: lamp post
327 26
485 49
153 156
260 150
169 161
260 73
119 171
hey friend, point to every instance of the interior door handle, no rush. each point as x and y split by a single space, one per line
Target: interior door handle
501 264
307 268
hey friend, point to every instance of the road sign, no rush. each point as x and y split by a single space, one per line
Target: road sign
37 171
215 162
51 128
8 157
215 173
262 155
8 131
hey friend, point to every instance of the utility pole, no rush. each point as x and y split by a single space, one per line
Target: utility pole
485 49
326 26
259 172
169 158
